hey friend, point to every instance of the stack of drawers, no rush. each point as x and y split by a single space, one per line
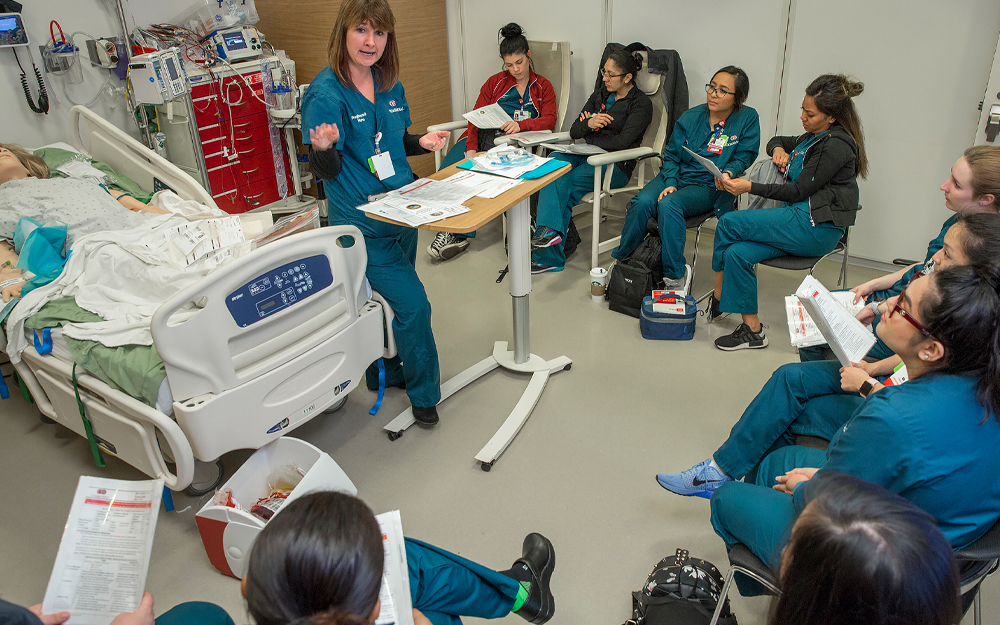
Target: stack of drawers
236 122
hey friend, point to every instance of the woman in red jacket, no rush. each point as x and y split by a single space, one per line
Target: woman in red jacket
529 100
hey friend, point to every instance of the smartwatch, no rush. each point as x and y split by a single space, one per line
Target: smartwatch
867 387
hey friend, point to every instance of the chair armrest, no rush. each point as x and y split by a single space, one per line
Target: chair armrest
904 262
620 155
558 137
453 125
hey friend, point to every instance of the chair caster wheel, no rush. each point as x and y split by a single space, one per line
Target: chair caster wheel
486 466
394 435
336 406
45 420
568 367
213 481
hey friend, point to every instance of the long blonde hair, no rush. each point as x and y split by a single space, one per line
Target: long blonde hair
35 165
378 14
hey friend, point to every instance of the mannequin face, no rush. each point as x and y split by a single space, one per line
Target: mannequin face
10 167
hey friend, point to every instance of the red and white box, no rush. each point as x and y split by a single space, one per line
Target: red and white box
229 533
670 302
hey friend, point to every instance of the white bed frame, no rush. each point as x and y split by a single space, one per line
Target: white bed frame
233 387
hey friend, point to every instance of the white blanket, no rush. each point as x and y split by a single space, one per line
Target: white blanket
123 276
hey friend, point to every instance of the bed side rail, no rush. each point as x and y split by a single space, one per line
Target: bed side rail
211 351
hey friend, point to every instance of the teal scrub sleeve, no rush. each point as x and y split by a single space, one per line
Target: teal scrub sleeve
323 108
875 446
748 146
670 170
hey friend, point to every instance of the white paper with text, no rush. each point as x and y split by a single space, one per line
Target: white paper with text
100 571
489 116
849 339
397 607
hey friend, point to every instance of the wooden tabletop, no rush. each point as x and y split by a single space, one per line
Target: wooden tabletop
481 210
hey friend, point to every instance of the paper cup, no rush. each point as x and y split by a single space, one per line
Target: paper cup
598 282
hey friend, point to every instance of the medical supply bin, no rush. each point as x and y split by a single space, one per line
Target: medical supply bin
229 533
668 326
207 16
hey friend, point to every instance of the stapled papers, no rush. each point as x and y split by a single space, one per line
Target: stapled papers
490 116
706 163
849 339
802 329
100 570
394 595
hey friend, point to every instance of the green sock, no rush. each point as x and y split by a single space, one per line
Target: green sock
523 590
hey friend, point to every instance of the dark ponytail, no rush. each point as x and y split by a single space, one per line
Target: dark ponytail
627 62
512 40
962 311
318 562
981 241
833 94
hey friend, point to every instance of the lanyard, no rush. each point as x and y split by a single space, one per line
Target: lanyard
718 132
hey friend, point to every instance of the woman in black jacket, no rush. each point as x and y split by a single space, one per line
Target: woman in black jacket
820 195
614 118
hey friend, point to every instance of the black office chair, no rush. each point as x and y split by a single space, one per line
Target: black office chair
975 563
799 263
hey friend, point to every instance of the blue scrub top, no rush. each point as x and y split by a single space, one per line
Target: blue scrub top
331 102
512 101
927 441
693 131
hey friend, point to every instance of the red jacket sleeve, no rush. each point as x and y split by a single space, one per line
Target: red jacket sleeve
546 107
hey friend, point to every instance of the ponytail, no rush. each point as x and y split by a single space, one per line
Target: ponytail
627 62
984 161
981 240
962 311
833 94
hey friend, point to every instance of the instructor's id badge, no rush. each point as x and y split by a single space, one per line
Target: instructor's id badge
381 165
715 145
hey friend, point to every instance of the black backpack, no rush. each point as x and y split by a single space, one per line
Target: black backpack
635 277
681 590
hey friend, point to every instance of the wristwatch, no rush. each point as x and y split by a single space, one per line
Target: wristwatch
867 387
875 305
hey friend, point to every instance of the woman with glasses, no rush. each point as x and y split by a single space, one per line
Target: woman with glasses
614 118
820 198
722 130
525 96
932 440
818 398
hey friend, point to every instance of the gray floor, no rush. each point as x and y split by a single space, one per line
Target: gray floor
581 471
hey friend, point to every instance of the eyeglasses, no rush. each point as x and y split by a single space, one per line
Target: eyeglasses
606 74
719 91
898 308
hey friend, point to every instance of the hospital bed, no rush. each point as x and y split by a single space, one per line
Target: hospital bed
280 335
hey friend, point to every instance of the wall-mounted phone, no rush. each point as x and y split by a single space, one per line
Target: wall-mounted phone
13 35
993 123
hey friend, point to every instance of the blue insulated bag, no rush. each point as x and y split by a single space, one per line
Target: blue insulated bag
666 326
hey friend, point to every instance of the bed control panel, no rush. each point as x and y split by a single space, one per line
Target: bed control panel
278 289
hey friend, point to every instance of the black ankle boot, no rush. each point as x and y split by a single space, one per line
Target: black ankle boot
426 416
535 566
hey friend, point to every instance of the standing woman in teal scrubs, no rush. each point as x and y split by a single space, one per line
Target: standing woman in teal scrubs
820 198
357 115
933 440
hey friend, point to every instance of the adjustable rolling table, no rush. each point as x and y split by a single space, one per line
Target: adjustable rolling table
481 211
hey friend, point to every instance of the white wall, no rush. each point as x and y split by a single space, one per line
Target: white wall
925 68
96 17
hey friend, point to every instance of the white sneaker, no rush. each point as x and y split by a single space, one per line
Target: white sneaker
679 284
447 245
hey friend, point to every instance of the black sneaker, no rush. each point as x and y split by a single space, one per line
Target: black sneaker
742 338
712 309
546 238
535 566
426 416
447 245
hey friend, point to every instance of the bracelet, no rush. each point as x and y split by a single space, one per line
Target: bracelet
875 305
7 283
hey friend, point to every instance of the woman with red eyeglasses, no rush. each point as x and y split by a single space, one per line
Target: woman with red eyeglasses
818 398
932 440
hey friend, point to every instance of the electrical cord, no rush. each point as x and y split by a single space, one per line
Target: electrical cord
43 98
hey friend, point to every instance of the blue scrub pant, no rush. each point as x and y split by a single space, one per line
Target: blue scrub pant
756 515
745 238
802 398
195 613
454 155
557 199
445 586
671 213
392 273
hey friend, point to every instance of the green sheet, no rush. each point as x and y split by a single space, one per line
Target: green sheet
133 369
55 157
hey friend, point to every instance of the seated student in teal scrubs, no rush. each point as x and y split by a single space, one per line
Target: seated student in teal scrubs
818 398
357 117
820 198
189 613
615 118
972 187
860 554
527 97
321 559
722 130
933 440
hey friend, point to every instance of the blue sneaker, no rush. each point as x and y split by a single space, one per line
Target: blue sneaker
701 480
